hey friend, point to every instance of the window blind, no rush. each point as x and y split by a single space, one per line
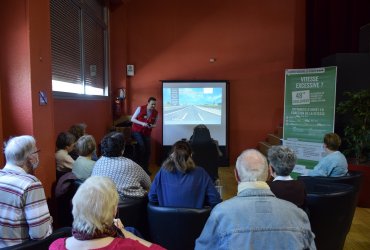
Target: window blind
78 46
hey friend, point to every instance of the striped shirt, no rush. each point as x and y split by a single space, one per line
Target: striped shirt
24 213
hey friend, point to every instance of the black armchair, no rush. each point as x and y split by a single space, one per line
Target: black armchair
42 244
176 228
133 213
353 178
330 206
65 190
205 155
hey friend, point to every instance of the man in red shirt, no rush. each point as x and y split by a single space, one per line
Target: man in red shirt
143 121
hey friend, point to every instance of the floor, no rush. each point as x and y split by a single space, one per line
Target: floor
357 239
359 236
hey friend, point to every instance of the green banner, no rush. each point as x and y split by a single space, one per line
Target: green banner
309 111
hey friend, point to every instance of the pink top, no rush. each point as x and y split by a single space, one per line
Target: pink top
117 243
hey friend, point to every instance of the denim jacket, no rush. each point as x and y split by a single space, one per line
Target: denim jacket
256 219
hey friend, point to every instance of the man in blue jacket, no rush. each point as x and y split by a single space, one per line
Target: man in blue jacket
255 218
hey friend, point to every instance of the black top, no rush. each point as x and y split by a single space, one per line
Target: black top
293 191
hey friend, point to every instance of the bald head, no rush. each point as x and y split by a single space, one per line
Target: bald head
251 165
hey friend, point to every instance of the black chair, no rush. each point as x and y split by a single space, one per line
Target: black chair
205 155
42 244
176 228
123 125
133 213
205 150
330 206
65 190
353 178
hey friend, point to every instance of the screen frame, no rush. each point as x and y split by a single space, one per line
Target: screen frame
224 160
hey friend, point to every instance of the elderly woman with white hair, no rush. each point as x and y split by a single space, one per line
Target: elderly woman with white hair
281 163
94 207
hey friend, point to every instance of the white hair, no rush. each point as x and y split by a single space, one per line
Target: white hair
251 165
94 204
18 149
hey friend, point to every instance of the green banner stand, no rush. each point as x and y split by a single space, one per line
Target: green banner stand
309 112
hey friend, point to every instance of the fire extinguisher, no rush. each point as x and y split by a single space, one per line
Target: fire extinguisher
117 106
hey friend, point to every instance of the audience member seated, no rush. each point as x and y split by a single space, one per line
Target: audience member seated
206 152
84 165
77 130
179 183
282 161
24 213
64 144
65 189
334 164
131 180
255 218
94 226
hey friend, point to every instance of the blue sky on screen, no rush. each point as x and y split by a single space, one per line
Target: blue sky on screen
195 96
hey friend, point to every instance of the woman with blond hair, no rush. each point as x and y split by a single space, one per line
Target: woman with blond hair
94 207
83 166
77 130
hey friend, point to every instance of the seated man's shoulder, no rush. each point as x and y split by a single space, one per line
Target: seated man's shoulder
287 207
265 203
233 204
19 178
21 183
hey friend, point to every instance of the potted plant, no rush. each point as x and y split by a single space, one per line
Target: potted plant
356 109
357 129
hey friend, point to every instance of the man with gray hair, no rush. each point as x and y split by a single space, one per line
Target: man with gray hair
255 218
24 213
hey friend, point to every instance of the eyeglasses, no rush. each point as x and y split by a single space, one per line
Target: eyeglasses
37 151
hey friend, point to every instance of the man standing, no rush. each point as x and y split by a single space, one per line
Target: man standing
255 218
143 121
24 213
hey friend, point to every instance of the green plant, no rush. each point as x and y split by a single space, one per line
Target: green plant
357 131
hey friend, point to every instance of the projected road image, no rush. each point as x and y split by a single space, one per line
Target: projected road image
192 105
192 115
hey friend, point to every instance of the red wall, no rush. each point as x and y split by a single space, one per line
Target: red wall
253 42
25 69
42 115
96 114
15 69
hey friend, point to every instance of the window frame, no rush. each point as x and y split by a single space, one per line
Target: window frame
103 21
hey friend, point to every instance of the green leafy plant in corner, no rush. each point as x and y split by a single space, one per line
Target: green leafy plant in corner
356 108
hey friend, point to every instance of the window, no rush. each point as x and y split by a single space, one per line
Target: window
79 46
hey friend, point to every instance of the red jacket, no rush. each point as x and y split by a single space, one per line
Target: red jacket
143 117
